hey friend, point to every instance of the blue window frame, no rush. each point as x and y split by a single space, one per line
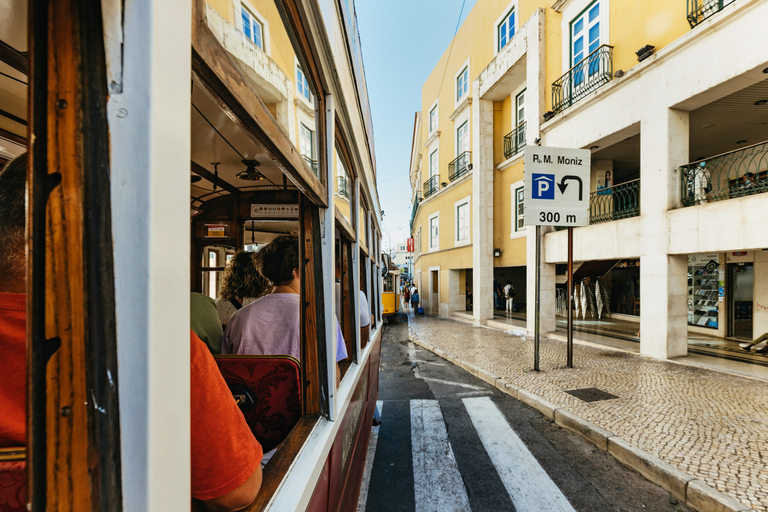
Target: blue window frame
302 86
252 28
462 83
585 39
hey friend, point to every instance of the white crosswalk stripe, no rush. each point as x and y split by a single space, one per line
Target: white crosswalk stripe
437 482
527 483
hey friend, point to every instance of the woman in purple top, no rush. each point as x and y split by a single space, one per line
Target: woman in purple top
272 324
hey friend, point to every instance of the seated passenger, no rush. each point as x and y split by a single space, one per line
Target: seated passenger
204 321
241 285
13 302
226 474
271 325
226 458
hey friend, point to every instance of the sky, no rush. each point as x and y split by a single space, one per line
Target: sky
402 40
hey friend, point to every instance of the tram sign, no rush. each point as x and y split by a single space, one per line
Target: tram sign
556 186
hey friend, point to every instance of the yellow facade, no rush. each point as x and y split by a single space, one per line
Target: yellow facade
630 26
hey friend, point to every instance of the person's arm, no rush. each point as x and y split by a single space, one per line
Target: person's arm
239 498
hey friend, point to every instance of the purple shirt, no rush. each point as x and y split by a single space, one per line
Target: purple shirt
270 326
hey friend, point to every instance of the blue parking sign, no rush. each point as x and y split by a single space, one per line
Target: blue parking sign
543 186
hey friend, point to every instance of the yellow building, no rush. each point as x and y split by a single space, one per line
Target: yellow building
628 82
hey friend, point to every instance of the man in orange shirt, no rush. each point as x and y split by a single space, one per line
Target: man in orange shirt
226 458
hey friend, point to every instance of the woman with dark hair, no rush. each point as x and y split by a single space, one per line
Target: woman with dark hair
241 285
271 325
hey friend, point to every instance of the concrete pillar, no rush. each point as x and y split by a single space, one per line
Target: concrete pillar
457 299
663 278
482 207
547 276
760 308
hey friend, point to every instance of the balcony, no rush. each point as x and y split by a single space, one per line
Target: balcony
460 166
343 186
736 174
430 186
311 163
416 202
613 203
514 141
700 10
587 76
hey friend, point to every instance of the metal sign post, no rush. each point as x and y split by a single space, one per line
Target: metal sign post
557 182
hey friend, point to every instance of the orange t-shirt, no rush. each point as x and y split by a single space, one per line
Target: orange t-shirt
224 451
13 377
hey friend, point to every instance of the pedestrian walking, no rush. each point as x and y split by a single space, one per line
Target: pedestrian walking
415 300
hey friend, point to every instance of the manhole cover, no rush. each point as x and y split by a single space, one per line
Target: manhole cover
591 394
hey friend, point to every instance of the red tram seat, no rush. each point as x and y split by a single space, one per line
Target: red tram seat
268 392
12 481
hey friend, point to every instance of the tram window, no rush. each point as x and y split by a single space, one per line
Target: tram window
213 276
389 283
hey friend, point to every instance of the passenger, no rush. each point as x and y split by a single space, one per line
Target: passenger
204 321
241 285
225 458
271 325
13 304
226 474
415 300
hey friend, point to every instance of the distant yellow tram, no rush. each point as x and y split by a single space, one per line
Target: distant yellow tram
390 291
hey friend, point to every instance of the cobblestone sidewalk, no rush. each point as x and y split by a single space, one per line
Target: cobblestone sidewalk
712 425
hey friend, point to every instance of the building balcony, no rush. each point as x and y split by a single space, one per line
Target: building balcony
311 163
587 76
700 10
460 166
613 203
416 202
514 141
343 186
430 186
739 173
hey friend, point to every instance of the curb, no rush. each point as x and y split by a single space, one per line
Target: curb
686 488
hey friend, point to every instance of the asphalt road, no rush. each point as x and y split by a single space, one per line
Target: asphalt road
450 442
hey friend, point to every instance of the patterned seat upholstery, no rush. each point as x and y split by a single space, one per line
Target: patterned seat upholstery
12 481
273 382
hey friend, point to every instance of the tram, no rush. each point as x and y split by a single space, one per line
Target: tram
162 137
390 291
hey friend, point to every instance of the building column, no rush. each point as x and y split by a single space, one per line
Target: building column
482 207
547 276
663 277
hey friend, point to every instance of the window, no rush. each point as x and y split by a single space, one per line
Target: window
520 117
433 119
519 208
252 28
462 222
418 241
506 29
433 164
585 35
302 86
462 138
462 83
307 141
434 231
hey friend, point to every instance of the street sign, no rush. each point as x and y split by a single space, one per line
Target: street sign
410 245
556 186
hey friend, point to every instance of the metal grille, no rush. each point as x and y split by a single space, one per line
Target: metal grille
591 394
736 174
514 141
430 186
588 75
460 166
700 10
311 163
343 186
613 203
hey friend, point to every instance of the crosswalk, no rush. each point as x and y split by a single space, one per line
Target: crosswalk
438 485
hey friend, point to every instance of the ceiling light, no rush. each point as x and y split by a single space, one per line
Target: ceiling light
708 125
593 147
765 70
761 102
195 178
742 141
250 173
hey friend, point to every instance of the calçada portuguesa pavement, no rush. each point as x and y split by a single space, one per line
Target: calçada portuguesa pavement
710 425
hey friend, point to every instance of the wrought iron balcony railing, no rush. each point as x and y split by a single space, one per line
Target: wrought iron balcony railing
736 174
430 186
700 10
613 203
416 202
311 163
514 141
588 75
460 166
343 186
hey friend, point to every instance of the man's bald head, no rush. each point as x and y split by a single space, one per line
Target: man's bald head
13 180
